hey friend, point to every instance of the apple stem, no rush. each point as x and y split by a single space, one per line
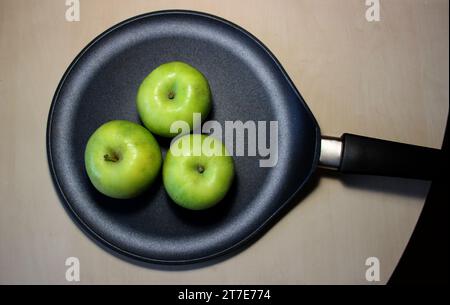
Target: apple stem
171 95
112 158
200 169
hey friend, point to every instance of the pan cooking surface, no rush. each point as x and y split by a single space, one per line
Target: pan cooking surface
247 83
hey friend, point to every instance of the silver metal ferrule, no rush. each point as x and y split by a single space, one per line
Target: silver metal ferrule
330 153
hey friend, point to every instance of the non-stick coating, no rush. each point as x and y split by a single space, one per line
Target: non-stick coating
247 83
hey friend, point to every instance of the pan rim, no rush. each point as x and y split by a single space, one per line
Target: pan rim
105 244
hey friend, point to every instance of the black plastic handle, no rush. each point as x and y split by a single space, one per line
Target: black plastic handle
364 155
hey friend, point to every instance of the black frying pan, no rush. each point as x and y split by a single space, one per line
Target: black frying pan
247 83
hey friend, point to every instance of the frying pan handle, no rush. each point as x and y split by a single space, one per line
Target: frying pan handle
355 154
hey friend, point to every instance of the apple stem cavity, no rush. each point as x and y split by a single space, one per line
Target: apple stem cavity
171 95
112 158
200 169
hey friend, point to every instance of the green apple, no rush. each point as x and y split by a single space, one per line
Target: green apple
172 92
122 159
198 171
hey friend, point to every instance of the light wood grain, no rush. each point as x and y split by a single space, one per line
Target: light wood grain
386 79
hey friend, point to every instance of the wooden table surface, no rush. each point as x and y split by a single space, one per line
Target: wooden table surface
385 79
